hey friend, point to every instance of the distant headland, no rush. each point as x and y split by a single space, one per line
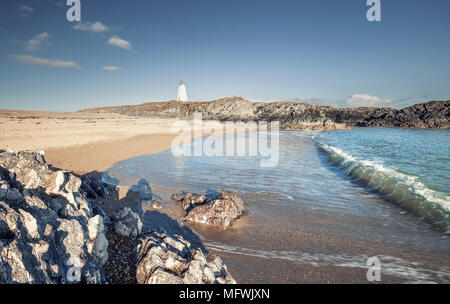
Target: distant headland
293 115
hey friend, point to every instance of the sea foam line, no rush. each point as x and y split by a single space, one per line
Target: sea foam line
402 189
411 181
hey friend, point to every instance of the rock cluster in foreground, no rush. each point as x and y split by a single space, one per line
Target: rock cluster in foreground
49 231
219 212
169 259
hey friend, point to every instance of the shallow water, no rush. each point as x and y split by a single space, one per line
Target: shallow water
313 210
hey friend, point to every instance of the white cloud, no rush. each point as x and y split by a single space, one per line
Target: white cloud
111 68
366 100
123 44
27 9
54 63
96 27
38 41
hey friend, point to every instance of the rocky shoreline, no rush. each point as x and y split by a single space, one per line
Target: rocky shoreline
293 115
52 231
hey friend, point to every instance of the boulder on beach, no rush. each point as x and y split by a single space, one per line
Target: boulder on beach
219 212
49 230
127 223
164 258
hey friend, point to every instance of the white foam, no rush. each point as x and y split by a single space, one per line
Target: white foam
410 181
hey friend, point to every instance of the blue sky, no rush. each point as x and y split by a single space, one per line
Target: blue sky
135 51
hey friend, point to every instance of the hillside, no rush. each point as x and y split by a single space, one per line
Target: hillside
292 115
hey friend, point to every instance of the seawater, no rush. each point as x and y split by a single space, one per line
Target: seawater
335 198
408 167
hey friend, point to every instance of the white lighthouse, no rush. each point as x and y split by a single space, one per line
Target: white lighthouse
182 95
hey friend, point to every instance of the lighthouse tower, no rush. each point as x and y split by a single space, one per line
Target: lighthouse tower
182 95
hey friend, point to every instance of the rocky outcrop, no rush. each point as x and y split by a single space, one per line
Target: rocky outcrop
169 259
49 230
219 212
293 115
95 187
433 114
127 223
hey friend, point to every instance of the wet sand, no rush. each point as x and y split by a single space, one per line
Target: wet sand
306 248
100 155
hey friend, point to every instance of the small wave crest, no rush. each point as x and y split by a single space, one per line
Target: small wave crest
402 189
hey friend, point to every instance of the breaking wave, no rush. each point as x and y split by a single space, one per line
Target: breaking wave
401 189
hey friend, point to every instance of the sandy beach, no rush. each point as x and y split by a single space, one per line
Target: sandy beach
82 142
90 143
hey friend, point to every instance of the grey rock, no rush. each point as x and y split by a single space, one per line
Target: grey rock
30 224
169 259
162 277
73 183
97 244
53 235
97 210
208 275
101 248
32 200
190 200
13 195
4 187
59 181
127 223
95 187
219 212
194 274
